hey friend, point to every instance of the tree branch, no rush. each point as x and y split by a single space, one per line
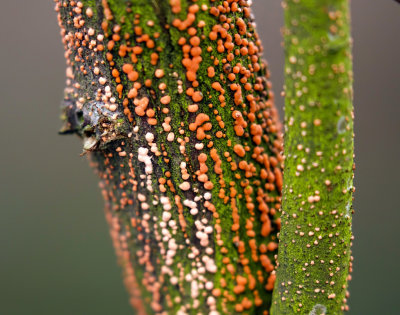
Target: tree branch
177 117
314 248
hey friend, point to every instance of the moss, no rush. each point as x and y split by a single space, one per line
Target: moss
314 248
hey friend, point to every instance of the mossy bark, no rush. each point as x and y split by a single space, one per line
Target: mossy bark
314 242
177 117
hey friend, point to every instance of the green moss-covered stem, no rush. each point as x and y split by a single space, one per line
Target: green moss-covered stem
314 249
172 101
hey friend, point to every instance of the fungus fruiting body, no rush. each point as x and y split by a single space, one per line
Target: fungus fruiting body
173 100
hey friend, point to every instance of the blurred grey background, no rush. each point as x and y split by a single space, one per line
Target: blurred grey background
55 253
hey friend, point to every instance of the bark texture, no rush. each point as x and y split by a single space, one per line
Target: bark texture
177 117
314 243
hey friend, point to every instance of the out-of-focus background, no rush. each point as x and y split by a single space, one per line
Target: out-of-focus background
55 253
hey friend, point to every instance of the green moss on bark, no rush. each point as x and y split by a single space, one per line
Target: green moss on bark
314 249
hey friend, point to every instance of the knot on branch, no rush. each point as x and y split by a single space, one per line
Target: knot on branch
96 122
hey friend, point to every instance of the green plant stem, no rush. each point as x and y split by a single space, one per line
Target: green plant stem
314 243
